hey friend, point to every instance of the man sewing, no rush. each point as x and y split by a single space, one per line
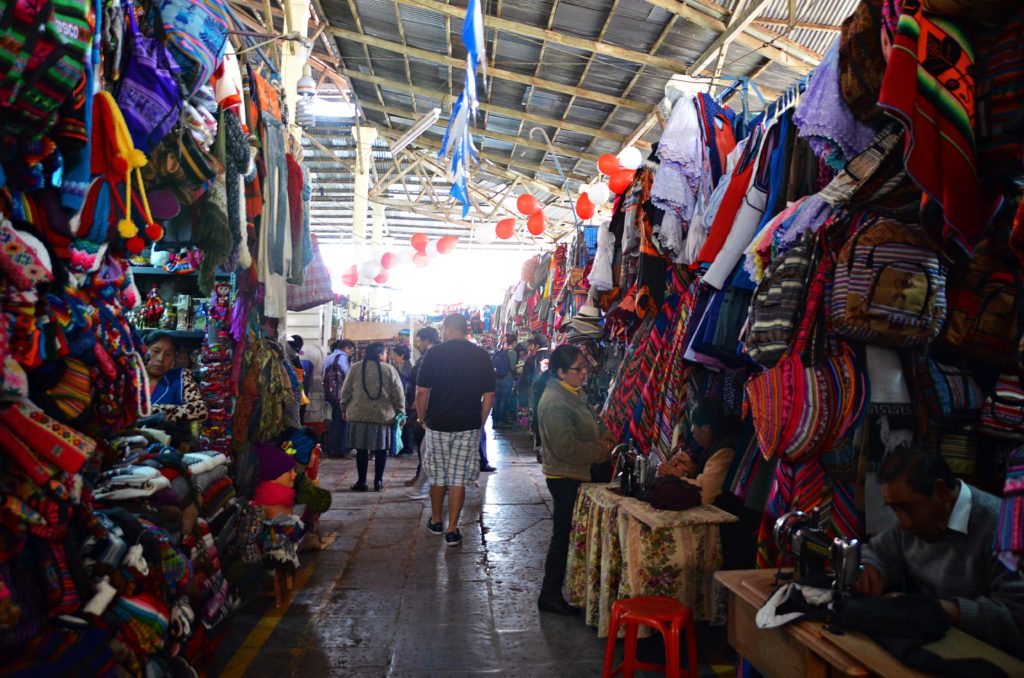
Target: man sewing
943 547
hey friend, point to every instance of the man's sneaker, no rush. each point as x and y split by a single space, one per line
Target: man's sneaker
487 468
435 528
452 538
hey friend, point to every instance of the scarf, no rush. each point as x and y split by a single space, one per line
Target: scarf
929 86
272 494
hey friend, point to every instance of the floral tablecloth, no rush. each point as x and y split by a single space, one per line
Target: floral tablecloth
621 547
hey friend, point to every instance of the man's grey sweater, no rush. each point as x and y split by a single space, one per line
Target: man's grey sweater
960 567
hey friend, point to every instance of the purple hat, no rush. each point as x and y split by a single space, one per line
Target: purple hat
274 461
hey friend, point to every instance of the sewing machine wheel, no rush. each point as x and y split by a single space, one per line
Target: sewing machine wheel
785 526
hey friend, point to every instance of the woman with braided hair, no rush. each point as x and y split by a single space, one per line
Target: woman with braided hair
371 397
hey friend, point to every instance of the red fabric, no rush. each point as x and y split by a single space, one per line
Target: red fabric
295 197
726 213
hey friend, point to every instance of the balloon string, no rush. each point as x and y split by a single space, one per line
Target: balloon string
565 182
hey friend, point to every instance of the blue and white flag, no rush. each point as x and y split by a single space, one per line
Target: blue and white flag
466 107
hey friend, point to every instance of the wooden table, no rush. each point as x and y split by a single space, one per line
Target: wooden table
621 547
807 649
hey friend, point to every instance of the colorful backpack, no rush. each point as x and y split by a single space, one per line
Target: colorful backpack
334 377
1003 412
890 286
778 301
197 32
43 50
982 318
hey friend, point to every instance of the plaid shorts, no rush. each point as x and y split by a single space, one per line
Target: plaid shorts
452 459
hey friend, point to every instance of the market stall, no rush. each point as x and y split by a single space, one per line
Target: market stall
839 274
154 213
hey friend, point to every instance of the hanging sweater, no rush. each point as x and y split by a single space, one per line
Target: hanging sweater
961 567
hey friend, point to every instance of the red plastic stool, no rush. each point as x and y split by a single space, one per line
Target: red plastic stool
667 615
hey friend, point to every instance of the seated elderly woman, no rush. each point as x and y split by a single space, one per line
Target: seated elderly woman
174 392
706 470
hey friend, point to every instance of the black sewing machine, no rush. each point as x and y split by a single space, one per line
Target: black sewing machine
818 560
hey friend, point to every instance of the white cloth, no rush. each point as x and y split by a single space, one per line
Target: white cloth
961 513
601 272
766 617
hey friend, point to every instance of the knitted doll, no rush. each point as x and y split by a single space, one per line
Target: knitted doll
276 492
219 303
153 308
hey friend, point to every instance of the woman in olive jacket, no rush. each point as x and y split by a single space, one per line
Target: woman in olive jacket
572 439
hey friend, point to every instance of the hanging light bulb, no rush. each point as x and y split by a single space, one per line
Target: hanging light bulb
306 86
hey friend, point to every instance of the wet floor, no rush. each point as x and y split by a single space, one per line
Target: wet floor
385 597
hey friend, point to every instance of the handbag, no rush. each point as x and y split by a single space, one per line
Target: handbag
316 284
811 398
1002 414
197 32
147 91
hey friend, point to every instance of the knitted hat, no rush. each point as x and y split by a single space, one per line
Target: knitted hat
300 444
113 155
24 260
274 462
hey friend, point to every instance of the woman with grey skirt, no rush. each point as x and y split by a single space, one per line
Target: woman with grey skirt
371 397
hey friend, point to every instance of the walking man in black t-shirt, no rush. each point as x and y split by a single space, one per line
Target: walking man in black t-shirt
454 395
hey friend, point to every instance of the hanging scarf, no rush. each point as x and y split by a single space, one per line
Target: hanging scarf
929 86
272 494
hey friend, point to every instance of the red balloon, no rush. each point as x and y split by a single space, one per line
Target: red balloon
620 181
535 224
382 277
608 164
506 228
584 207
447 243
419 242
528 205
351 277
420 260
387 260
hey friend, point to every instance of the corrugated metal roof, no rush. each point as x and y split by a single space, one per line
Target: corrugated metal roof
631 24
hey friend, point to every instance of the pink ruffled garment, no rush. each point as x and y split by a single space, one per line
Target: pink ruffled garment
825 120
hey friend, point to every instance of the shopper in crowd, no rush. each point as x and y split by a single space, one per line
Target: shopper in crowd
318 412
426 338
534 367
573 439
174 392
942 547
400 360
293 352
504 361
706 470
371 398
454 396
336 368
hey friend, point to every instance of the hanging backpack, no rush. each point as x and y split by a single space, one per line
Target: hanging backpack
890 286
778 301
499 359
982 320
43 49
334 377
197 32
1002 415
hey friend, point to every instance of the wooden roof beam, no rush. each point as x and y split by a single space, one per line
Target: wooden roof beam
440 95
527 30
522 141
802 25
735 26
499 73
787 53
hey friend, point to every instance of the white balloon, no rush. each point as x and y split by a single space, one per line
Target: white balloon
630 157
432 252
404 257
369 270
599 193
485 234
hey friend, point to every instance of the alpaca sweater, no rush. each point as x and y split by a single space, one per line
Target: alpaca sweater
961 567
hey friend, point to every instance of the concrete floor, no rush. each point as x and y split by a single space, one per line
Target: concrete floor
387 598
